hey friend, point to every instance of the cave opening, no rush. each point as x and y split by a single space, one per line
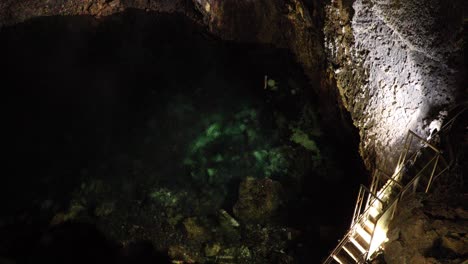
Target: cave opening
150 129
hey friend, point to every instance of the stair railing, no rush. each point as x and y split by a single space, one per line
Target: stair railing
351 231
362 209
359 218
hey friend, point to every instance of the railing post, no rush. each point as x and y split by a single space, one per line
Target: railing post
357 207
432 173
374 176
374 184
404 148
425 142
397 200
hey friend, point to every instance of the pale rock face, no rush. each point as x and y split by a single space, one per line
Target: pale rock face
394 69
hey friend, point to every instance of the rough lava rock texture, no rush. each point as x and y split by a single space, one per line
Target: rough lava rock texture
396 63
295 25
397 66
429 229
259 199
289 24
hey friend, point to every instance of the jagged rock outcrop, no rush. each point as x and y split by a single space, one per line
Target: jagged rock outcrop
429 229
396 65
290 24
295 25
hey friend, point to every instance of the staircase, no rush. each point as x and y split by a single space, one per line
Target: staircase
419 165
375 206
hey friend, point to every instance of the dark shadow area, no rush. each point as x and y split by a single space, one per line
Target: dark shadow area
76 243
112 114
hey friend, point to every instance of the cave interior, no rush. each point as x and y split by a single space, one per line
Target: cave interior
142 138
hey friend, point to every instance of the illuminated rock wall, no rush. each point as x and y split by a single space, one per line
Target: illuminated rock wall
395 66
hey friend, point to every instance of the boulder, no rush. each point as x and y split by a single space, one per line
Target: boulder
259 200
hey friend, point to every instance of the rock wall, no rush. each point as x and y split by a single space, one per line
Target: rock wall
289 24
429 229
395 63
292 24
397 66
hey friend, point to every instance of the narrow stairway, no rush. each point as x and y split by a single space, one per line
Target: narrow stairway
368 230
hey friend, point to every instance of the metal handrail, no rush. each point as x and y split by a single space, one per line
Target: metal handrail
358 206
362 217
375 182
389 178
452 120
390 204
425 141
432 174
376 197
400 195
346 237
406 148
359 218
440 173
